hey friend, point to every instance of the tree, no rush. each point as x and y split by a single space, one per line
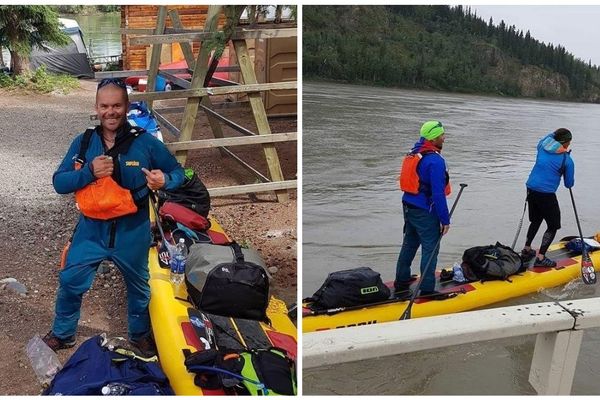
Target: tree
23 27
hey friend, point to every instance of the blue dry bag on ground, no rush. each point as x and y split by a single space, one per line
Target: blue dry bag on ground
93 366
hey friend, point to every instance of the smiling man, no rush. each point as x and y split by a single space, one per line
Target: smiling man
126 163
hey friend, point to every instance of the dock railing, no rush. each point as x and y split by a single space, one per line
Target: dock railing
558 325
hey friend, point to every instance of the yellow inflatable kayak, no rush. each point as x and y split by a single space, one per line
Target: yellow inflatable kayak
471 295
174 332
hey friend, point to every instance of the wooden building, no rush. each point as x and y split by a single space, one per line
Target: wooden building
275 60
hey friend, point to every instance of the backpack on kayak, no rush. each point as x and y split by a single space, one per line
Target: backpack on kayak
493 262
192 194
348 288
227 280
255 372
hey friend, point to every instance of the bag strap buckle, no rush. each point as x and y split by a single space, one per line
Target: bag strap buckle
237 251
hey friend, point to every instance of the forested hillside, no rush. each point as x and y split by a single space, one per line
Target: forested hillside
439 47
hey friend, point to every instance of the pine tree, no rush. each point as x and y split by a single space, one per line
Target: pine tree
24 27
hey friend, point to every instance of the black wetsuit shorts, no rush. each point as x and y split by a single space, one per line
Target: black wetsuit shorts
544 206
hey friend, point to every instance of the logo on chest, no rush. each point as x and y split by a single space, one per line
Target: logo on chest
132 163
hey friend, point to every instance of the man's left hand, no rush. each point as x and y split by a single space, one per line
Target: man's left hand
155 178
444 229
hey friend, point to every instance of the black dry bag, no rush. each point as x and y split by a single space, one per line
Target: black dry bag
229 280
493 262
350 287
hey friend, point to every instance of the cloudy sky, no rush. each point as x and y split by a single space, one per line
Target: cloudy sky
577 28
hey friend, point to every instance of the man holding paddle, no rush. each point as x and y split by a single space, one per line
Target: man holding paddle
553 161
425 182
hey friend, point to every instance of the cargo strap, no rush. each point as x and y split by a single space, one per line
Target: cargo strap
237 252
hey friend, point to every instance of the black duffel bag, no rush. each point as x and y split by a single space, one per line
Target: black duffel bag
493 262
228 280
352 287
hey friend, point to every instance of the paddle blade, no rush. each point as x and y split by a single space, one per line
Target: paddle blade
588 273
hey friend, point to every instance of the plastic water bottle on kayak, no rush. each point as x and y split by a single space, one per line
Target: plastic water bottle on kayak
458 275
178 261
115 389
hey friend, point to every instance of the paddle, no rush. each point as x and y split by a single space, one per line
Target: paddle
165 249
406 313
520 225
588 274
157 217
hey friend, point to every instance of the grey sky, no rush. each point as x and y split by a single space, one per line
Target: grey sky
577 28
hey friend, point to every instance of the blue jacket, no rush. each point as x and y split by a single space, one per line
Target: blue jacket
432 178
93 366
546 173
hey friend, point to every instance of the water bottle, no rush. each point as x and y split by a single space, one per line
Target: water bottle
178 261
458 275
44 361
115 389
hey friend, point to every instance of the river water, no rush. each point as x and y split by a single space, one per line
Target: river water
101 34
354 138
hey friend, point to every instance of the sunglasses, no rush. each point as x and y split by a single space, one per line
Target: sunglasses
112 81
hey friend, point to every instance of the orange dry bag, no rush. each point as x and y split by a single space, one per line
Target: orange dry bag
105 199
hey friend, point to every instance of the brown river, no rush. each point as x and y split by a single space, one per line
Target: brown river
353 141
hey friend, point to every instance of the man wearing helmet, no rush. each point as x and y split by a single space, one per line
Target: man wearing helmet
425 182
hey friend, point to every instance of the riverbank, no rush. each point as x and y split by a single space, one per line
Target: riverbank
36 222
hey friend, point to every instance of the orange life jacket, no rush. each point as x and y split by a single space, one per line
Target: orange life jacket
409 180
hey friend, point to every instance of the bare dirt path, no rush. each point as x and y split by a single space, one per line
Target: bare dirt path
35 222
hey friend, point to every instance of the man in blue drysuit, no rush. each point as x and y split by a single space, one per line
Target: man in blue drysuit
146 165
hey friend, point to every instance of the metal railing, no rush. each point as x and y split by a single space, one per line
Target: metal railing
559 327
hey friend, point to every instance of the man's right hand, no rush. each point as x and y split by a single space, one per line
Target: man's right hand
444 229
102 166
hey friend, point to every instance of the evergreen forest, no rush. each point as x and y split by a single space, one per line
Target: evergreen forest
439 47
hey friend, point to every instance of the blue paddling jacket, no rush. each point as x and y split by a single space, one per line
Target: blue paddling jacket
432 173
552 162
124 240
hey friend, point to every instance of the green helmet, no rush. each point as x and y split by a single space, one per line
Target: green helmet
432 129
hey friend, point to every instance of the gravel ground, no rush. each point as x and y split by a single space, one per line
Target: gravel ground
35 222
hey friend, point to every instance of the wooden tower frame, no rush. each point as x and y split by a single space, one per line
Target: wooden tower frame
197 93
